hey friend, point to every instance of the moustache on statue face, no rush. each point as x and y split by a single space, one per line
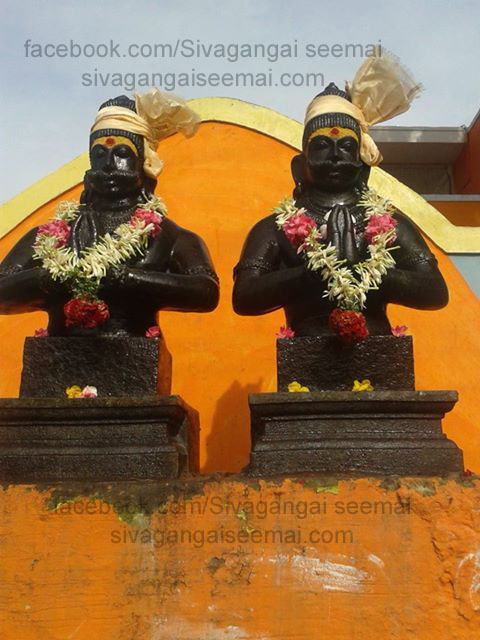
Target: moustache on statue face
341 165
343 172
121 179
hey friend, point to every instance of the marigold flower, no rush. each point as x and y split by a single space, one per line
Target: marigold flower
350 325
364 385
85 313
74 391
296 387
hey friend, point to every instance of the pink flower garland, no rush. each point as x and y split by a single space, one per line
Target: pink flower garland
348 324
86 311
59 229
298 228
147 217
380 224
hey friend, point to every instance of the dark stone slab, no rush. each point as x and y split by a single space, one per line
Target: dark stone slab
117 366
326 363
99 439
376 433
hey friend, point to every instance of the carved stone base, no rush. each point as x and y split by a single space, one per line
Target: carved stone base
376 433
117 366
324 362
99 439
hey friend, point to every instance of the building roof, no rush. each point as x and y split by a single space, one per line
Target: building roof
432 145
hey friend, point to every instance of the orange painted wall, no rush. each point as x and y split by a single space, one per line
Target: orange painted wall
466 171
377 574
219 183
461 214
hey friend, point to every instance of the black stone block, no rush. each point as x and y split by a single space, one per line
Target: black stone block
326 363
375 433
117 366
98 439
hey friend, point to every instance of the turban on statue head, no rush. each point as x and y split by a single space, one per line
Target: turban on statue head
152 117
382 88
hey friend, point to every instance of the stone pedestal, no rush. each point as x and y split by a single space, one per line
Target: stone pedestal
98 439
325 362
373 433
117 366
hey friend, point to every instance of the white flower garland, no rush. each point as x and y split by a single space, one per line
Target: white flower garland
86 271
349 291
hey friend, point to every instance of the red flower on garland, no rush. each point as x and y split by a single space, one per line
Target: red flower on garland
147 217
40 333
350 325
297 228
85 313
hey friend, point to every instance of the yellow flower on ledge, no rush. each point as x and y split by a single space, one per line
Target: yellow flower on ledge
73 392
364 385
86 392
296 387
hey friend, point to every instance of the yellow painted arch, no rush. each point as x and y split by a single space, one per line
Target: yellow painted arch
448 237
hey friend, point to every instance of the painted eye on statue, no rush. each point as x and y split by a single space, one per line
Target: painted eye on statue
124 151
98 151
349 144
319 144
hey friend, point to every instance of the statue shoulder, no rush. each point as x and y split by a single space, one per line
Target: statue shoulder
188 252
403 221
29 237
21 253
406 229
261 250
175 233
413 250
267 225
265 231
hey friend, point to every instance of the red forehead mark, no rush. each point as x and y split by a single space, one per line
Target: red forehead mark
334 131
110 142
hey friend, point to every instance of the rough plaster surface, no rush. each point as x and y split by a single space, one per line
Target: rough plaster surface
410 570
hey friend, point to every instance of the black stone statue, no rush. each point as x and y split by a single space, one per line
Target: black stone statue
175 272
102 332
335 423
330 177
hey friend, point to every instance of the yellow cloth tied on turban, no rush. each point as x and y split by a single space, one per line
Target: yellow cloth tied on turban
382 88
158 116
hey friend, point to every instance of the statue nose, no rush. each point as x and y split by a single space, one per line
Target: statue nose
110 160
334 151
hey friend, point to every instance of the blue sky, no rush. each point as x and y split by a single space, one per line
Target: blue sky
47 111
